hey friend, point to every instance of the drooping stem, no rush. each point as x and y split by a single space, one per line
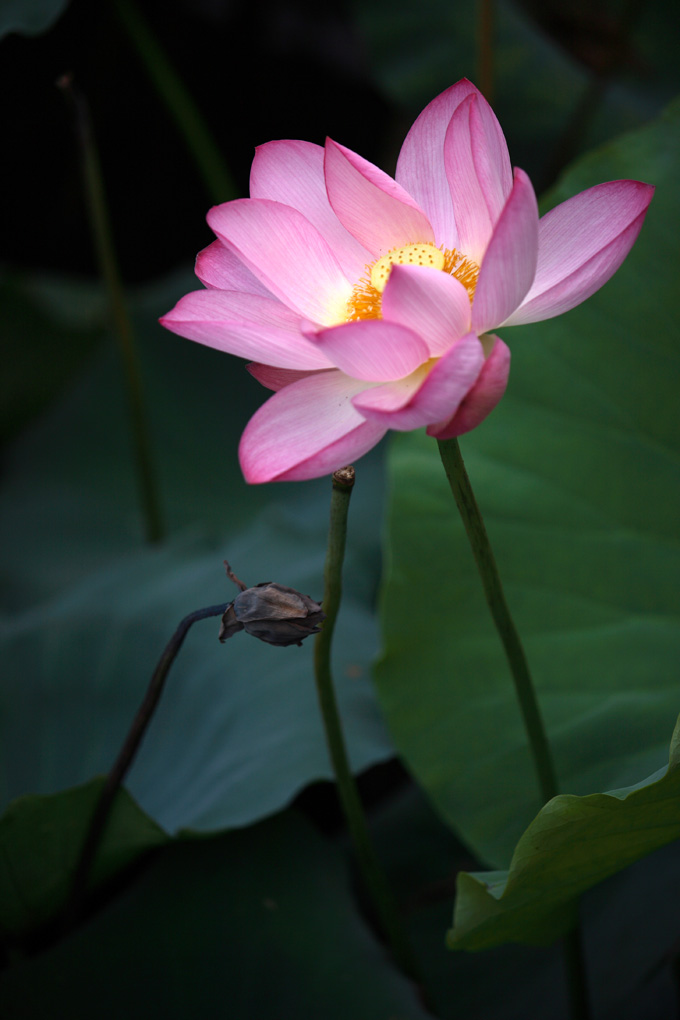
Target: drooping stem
125 758
102 235
180 105
526 695
369 866
495 597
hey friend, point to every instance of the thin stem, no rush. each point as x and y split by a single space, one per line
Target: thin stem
526 696
125 758
493 591
485 48
103 241
179 103
371 871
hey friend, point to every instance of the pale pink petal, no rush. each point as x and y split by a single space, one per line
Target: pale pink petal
292 172
432 303
581 243
247 325
484 395
372 206
275 378
420 168
217 266
373 349
306 430
425 397
287 254
479 173
509 265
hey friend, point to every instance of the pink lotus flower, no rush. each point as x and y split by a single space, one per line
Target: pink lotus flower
366 303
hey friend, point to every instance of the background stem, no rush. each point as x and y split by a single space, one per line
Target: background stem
103 241
371 871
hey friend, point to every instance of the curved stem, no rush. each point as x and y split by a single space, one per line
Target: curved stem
123 762
495 597
526 695
371 871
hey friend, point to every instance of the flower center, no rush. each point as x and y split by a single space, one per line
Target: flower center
366 300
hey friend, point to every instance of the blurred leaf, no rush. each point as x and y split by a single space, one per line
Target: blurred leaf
232 927
578 476
543 96
30 17
43 344
89 609
573 843
40 842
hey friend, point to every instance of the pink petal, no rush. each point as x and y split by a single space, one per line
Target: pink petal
247 325
275 378
420 168
373 349
373 207
483 396
581 243
287 254
217 266
431 303
509 265
292 172
479 173
425 397
307 430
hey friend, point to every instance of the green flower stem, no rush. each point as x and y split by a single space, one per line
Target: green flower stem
493 591
371 871
526 696
179 103
124 761
103 240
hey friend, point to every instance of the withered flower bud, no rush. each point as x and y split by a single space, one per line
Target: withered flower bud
272 613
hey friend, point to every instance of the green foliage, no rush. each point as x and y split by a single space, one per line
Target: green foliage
572 844
40 840
577 476
257 923
89 609
29 17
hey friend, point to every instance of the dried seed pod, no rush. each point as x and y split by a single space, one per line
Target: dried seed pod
273 613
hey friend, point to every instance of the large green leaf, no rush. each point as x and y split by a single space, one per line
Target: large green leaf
257 923
550 105
30 17
40 842
578 476
573 843
89 608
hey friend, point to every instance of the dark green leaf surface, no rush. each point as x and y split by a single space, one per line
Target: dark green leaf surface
40 841
257 923
573 843
30 17
89 609
577 474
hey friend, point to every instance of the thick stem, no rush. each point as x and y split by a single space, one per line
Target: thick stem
123 762
526 696
493 591
180 105
371 871
103 240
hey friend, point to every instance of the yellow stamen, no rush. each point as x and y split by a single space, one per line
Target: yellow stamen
366 300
